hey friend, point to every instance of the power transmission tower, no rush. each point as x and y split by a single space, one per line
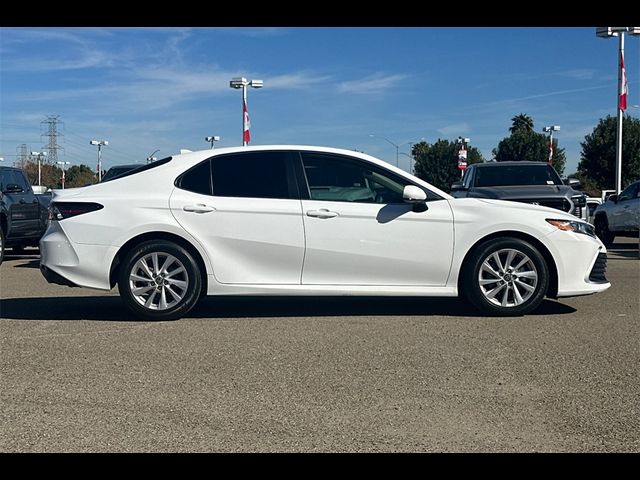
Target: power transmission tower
51 125
22 155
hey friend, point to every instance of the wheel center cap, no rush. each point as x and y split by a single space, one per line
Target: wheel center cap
507 277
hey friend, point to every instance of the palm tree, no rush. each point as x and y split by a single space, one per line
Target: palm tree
521 122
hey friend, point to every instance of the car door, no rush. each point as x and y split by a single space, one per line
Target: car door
630 212
622 213
23 206
359 231
245 211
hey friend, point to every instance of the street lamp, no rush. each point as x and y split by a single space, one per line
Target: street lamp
551 129
242 83
39 155
99 143
63 164
395 145
151 157
607 32
214 138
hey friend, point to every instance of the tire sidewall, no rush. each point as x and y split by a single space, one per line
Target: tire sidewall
602 231
160 246
472 288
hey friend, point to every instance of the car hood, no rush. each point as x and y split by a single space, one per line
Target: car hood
517 192
508 206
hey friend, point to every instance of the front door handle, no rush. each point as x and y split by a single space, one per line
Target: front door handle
199 208
322 213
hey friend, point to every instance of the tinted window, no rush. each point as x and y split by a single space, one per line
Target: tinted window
335 178
501 175
253 174
468 174
197 179
628 193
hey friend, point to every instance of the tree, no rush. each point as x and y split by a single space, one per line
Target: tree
521 123
524 144
438 163
79 176
598 157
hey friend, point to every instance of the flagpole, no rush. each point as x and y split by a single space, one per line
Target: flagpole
619 131
244 106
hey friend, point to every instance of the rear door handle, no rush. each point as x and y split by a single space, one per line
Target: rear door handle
199 208
322 213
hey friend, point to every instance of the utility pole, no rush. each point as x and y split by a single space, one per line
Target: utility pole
22 155
51 125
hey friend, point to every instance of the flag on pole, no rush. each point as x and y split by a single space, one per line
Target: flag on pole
246 136
623 84
550 152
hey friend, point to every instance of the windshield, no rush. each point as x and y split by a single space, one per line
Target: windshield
503 175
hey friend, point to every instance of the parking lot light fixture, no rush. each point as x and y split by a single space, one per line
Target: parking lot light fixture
99 143
212 139
242 83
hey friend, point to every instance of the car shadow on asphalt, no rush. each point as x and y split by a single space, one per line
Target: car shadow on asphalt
111 308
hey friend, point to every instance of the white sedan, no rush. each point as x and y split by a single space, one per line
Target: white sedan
300 220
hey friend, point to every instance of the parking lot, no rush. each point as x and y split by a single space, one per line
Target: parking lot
318 374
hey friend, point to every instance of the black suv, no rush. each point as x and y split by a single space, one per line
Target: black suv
23 214
530 182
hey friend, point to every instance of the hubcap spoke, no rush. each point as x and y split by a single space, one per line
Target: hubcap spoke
496 258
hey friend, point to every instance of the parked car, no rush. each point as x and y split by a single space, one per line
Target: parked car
529 182
23 214
293 220
119 170
619 215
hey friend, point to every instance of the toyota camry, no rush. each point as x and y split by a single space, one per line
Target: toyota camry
301 220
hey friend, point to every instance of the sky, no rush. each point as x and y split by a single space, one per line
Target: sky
166 89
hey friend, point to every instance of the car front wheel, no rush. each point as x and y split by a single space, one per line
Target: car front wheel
159 280
506 277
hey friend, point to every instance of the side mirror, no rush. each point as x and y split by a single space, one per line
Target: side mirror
413 194
573 182
613 198
13 188
457 186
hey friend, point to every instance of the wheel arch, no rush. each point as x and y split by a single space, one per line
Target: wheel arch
552 289
148 236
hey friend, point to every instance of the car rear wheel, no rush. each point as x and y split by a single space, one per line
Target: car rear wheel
603 232
159 280
506 277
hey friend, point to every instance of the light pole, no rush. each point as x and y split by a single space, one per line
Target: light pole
607 32
99 143
151 157
395 145
214 138
39 155
242 83
462 154
551 129
63 164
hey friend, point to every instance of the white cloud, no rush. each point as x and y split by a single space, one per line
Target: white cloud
376 83
454 129
578 73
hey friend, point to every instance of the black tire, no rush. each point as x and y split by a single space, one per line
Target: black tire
505 289
1 245
603 232
167 288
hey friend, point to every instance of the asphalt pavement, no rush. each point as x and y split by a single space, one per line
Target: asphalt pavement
79 374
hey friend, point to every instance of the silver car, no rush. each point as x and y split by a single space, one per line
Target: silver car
619 215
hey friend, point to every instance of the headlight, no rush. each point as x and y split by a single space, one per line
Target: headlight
579 200
573 226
